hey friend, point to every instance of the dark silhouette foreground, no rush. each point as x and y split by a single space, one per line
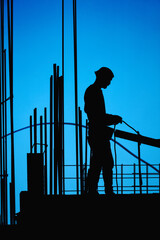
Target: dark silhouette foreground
99 134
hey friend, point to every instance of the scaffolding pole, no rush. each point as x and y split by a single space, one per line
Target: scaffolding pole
5 142
63 172
81 151
76 91
31 134
35 130
45 140
3 123
51 131
55 72
10 42
1 169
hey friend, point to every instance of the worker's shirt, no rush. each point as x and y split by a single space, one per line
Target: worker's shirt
95 109
96 112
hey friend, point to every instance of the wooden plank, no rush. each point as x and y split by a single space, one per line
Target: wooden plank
138 138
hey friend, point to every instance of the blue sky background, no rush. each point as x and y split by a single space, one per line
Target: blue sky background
123 35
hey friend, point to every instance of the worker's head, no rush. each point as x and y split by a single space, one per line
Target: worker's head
104 76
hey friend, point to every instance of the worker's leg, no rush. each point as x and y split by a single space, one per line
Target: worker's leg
107 169
108 180
93 173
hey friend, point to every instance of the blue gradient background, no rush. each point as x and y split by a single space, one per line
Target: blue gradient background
123 35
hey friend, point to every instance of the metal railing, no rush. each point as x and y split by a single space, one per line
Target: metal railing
127 176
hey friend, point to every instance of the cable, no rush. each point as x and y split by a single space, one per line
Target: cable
115 158
130 127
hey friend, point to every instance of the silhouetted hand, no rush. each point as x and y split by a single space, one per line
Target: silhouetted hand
118 119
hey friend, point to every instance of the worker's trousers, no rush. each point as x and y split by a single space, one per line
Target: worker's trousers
101 159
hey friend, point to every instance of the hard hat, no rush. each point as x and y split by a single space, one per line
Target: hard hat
104 72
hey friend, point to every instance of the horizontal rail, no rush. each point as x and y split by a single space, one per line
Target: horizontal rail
135 156
127 177
118 133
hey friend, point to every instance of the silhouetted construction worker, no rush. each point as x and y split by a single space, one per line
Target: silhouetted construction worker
99 134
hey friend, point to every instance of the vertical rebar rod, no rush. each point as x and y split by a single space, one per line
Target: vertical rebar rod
0 122
121 178
2 113
60 132
60 156
63 184
45 140
147 178
63 163
3 204
35 130
2 26
86 152
63 38
41 135
5 139
81 150
9 24
134 173
55 126
31 134
3 163
51 131
2 110
10 37
76 91
11 202
3 158
139 165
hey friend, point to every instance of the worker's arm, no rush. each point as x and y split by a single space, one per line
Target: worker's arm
112 119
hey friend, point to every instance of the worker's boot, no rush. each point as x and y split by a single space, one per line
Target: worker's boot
91 184
108 181
109 191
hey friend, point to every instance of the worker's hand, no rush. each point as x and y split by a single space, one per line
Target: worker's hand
118 119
